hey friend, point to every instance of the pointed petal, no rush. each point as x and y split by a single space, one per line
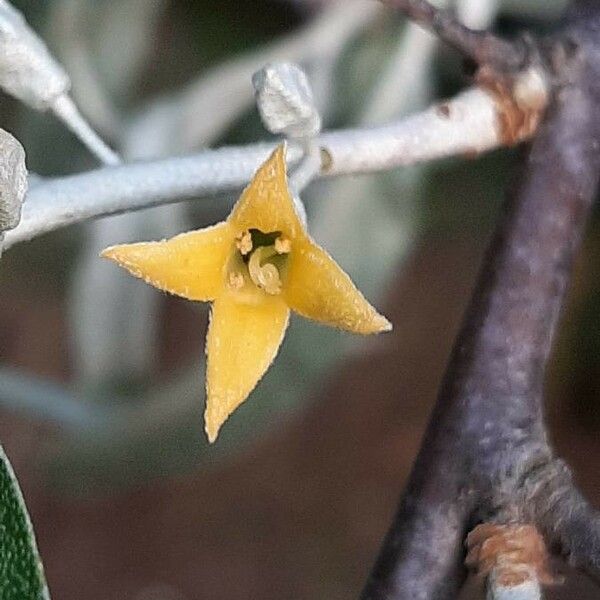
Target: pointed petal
317 288
266 203
189 265
243 339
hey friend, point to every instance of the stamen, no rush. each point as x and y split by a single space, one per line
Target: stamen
283 245
236 280
264 276
244 243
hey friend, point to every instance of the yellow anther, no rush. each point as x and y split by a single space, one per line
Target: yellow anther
244 243
236 280
265 276
283 245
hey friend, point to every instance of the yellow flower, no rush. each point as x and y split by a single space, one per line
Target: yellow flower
254 267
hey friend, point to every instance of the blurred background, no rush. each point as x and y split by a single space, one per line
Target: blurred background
101 377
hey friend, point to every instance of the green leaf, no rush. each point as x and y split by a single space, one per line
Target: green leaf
21 571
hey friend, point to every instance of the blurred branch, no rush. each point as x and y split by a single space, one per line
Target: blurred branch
71 41
469 124
410 61
45 400
113 322
200 112
482 47
485 455
389 99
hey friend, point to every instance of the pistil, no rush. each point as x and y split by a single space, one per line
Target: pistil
264 275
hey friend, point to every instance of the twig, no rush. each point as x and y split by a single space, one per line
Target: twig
468 125
47 401
480 46
485 452
66 110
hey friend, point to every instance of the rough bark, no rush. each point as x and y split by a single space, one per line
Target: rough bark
485 455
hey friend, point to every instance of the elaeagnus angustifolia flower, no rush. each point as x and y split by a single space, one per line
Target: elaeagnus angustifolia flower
254 267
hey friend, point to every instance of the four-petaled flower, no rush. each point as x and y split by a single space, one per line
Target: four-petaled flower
254 267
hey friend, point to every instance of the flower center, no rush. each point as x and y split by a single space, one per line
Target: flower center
260 259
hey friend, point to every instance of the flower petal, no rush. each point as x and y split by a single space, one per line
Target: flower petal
266 204
189 265
317 288
243 339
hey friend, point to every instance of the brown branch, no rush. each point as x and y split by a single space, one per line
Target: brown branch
485 455
480 46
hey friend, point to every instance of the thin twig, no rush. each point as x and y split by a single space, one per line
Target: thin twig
66 110
469 124
46 400
480 46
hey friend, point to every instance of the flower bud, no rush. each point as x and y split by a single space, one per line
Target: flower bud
285 101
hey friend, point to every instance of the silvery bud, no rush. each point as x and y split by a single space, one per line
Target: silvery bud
13 180
30 73
285 101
